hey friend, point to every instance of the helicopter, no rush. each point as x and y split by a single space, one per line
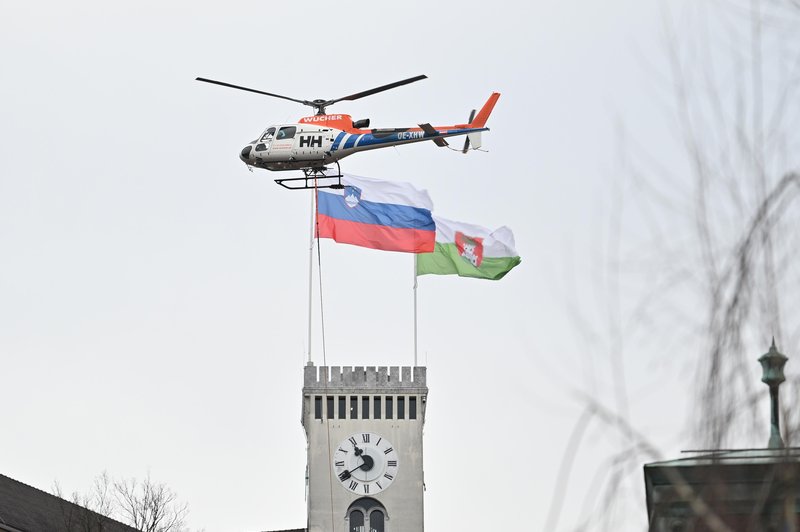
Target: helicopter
314 142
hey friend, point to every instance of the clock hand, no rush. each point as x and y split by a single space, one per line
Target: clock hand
344 475
357 468
367 463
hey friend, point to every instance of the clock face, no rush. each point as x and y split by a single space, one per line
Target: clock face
365 463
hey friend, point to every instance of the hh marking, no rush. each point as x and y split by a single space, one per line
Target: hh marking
311 142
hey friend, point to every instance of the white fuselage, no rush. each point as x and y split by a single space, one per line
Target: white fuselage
313 145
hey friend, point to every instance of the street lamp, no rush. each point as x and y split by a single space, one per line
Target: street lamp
772 364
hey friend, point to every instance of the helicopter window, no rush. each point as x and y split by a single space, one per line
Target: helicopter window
287 132
261 147
268 134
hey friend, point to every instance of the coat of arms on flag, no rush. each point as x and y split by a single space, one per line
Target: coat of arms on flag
470 248
490 255
352 195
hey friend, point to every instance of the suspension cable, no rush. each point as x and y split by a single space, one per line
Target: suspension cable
327 413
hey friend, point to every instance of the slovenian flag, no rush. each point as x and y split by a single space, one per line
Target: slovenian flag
386 215
469 251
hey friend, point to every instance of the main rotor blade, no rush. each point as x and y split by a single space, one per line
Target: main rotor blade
305 102
382 88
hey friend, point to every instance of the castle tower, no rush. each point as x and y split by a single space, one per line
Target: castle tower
364 433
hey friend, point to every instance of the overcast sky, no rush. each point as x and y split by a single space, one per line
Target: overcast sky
153 291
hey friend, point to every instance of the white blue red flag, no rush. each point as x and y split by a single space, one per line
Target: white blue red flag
386 215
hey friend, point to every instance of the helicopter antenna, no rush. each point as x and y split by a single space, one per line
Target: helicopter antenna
320 104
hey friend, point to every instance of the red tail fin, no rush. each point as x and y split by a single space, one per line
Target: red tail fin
486 110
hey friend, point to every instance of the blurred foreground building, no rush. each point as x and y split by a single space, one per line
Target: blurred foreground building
749 490
752 490
26 509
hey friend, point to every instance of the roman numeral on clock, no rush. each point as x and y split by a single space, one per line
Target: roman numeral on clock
387 451
366 488
392 463
339 463
387 475
365 437
353 441
353 485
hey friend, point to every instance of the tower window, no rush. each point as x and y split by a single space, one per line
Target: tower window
365 408
342 408
377 410
412 408
353 407
389 407
317 407
376 521
356 521
366 515
401 407
329 405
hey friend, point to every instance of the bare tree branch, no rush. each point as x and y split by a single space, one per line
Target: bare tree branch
149 506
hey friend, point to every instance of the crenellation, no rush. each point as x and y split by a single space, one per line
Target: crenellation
372 378
378 378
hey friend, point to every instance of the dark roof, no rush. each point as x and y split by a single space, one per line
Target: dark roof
28 509
747 489
736 457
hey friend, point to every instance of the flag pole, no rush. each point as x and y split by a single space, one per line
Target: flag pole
415 309
310 275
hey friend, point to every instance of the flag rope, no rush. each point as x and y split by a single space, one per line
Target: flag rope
319 271
310 274
415 309
324 351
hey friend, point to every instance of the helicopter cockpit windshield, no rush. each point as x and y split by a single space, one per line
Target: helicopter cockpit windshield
268 134
266 140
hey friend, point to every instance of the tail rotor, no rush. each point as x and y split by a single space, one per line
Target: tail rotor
466 141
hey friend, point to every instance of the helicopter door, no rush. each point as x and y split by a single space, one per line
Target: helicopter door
283 144
264 144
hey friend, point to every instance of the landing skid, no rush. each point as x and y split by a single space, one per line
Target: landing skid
319 177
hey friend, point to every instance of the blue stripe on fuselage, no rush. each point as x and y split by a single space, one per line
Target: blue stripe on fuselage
336 142
371 140
351 141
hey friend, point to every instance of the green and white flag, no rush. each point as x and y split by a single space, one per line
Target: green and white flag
469 251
